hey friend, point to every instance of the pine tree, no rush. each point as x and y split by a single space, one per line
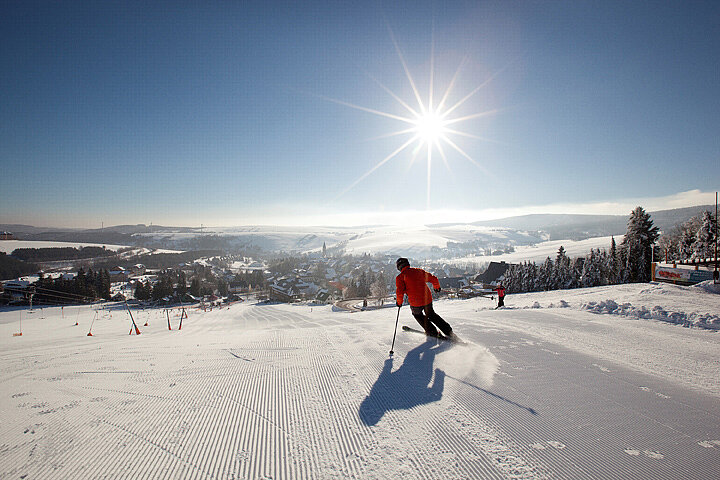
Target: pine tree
589 275
181 288
527 280
562 269
613 264
222 287
363 285
686 238
511 279
143 291
195 287
704 244
104 284
636 247
546 272
576 269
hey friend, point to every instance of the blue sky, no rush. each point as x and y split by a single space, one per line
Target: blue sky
234 113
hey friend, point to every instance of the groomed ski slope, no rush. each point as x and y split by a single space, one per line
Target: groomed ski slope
546 388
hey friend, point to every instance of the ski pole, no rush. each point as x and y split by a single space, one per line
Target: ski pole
395 332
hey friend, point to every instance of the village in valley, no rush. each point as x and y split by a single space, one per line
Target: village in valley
220 279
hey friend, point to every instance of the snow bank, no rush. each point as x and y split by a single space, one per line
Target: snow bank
657 312
694 306
708 286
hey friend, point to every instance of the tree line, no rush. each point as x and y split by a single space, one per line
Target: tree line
628 262
174 283
84 287
366 284
13 268
51 254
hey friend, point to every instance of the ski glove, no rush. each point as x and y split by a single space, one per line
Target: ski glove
437 290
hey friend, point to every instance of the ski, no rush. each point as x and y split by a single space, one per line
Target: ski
455 338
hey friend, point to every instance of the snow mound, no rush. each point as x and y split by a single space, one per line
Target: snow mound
709 286
657 312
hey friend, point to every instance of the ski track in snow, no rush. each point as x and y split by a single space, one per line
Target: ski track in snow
289 391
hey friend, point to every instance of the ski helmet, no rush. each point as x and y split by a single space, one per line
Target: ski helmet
402 263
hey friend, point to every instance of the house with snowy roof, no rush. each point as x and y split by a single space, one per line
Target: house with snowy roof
118 274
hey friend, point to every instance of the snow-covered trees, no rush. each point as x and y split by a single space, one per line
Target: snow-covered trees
379 287
593 272
546 275
704 244
693 239
628 263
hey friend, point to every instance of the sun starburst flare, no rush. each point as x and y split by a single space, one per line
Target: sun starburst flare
429 125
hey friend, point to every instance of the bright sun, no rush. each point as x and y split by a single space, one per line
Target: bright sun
428 122
429 128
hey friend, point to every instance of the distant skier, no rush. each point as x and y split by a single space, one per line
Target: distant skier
413 282
501 296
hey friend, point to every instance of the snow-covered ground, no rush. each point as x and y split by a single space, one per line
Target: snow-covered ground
545 388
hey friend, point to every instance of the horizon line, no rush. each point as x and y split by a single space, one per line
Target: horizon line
416 218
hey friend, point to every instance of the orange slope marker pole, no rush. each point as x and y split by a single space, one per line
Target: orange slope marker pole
89 334
19 334
182 315
137 330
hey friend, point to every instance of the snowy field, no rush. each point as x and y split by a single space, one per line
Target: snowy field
548 387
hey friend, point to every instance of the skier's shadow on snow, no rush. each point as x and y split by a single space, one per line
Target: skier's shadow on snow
406 387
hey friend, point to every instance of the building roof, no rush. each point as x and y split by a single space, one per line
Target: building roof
494 271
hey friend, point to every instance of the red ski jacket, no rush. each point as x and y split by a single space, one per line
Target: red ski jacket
500 291
413 281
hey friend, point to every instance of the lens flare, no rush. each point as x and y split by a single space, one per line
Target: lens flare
427 124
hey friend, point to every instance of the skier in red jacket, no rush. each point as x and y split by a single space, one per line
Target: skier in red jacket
501 296
413 282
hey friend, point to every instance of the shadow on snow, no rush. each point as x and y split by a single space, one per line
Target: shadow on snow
409 385
406 387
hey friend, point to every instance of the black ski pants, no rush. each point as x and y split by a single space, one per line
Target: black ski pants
429 320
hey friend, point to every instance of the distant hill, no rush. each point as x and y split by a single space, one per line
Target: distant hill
580 227
431 241
117 235
20 230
